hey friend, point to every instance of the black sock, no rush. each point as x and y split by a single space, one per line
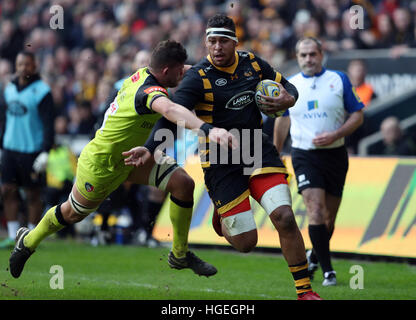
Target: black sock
313 257
153 210
320 240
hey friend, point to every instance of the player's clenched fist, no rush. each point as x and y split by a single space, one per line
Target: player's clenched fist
223 138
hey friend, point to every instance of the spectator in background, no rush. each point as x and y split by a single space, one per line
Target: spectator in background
82 119
388 6
395 140
403 26
385 31
104 36
357 72
404 34
332 35
6 71
11 40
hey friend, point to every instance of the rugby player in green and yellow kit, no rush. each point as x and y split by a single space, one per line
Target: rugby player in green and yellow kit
112 158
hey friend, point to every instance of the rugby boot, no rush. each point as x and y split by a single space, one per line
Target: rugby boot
20 253
192 262
310 296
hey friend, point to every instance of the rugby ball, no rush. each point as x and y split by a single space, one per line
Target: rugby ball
271 89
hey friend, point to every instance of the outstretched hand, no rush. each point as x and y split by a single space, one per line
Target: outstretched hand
136 156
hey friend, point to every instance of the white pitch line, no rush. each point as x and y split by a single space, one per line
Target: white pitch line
152 286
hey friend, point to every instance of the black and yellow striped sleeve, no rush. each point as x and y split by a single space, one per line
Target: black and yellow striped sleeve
190 90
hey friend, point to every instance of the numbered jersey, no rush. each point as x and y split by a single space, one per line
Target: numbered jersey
127 122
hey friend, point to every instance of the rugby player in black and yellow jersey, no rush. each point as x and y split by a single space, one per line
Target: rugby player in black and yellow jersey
112 158
221 88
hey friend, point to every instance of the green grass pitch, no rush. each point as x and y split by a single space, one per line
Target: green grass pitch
128 272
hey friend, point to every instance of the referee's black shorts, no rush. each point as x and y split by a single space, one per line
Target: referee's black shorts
321 168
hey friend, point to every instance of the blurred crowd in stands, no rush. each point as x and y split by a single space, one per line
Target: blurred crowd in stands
99 40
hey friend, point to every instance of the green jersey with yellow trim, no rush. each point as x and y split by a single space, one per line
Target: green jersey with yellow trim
128 121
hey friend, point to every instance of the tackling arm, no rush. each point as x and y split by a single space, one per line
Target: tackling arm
178 114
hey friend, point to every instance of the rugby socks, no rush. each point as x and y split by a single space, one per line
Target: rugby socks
12 227
314 259
51 222
320 241
301 276
180 213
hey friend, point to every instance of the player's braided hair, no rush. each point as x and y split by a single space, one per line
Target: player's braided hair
167 54
221 21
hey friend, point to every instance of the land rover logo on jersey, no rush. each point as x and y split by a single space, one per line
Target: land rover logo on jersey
89 187
221 82
239 101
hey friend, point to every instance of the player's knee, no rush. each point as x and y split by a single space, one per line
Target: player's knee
241 231
73 217
315 210
284 219
316 213
245 242
246 247
69 215
73 211
183 185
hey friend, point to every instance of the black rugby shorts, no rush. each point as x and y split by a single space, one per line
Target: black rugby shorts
16 168
321 168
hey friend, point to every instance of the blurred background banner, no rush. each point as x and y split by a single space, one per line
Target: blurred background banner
377 214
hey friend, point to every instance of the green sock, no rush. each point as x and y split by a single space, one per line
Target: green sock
47 226
180 213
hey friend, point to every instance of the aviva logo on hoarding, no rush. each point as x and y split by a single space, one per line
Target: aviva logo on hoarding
312 105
